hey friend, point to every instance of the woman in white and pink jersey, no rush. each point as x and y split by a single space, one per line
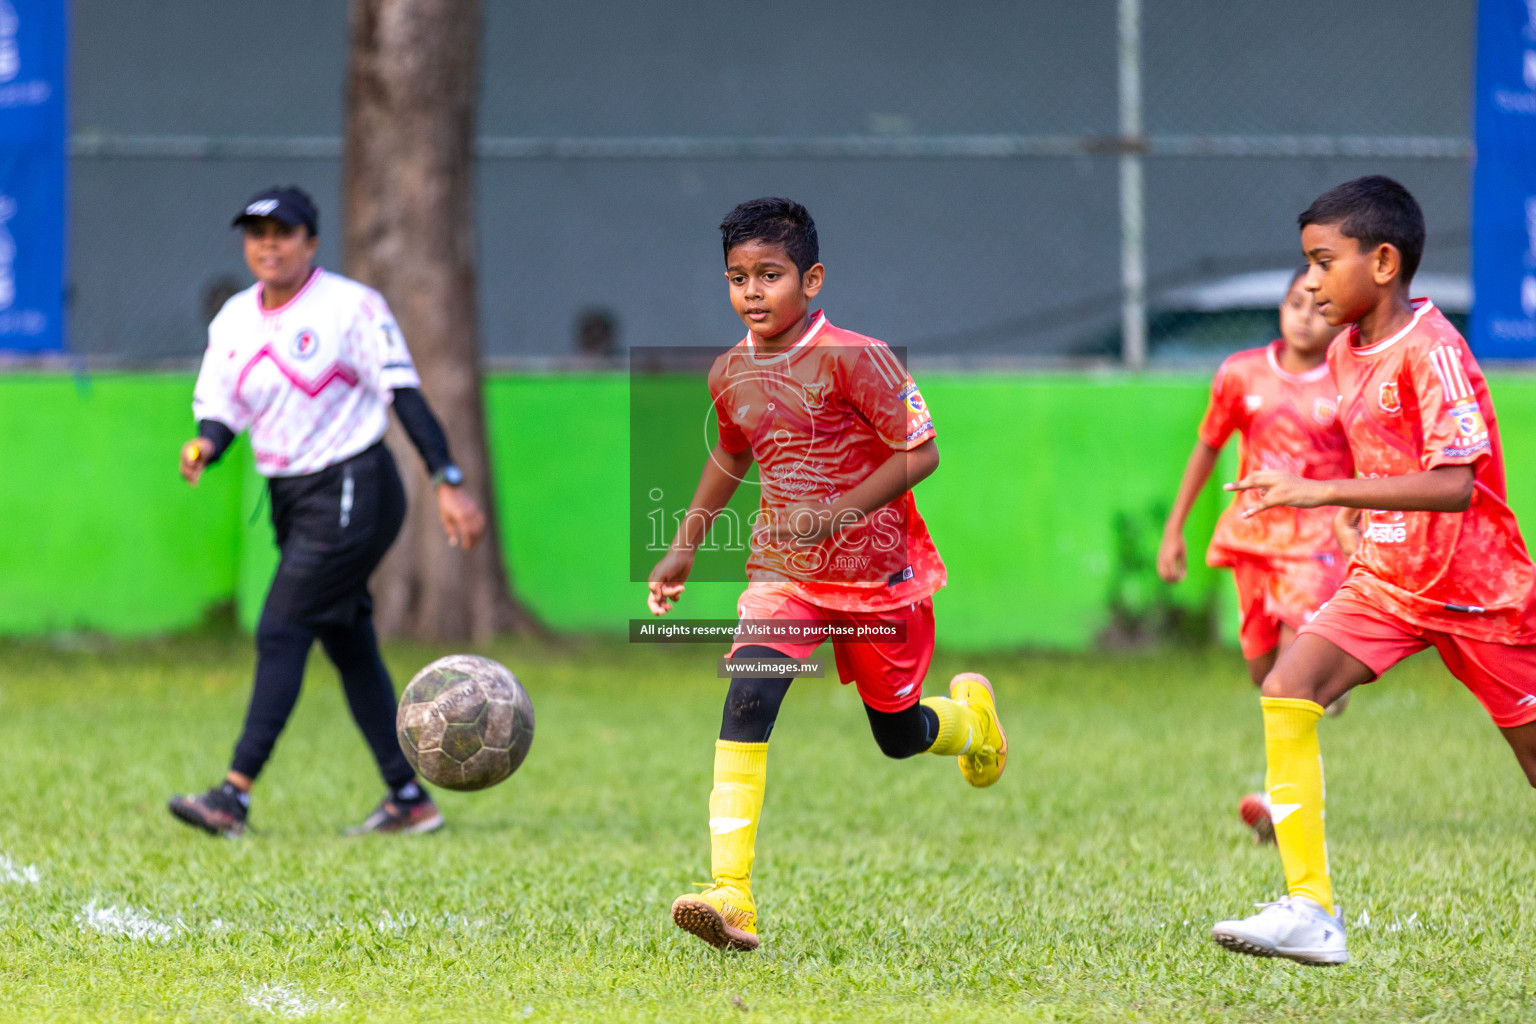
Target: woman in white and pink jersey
308 363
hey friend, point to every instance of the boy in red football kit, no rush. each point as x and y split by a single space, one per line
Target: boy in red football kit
1441 562
840 434
1281 401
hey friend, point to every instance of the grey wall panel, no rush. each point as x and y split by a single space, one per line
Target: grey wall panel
988 257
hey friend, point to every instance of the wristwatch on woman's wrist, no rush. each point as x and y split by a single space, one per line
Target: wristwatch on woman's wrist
450 474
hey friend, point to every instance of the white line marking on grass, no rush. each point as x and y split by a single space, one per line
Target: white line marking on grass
458 923
1363 923
286 1000
128 922
12 873
388 922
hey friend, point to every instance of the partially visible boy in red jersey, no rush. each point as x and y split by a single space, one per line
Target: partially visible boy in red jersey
1282 403
840 434
1441 562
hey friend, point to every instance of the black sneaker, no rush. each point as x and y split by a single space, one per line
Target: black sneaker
401 818
220 811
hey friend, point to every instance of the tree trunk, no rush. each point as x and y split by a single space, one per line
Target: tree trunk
412 87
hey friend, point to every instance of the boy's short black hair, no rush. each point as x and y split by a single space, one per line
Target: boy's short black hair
1372 210
775 221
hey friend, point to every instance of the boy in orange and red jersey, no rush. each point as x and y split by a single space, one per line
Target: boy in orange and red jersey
1441 561
1282 403
840 434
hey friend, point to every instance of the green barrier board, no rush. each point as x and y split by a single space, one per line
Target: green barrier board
1047 506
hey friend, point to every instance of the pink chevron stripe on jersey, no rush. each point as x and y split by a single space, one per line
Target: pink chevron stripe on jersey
336 371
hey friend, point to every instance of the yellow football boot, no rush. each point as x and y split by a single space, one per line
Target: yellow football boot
722 915
983 763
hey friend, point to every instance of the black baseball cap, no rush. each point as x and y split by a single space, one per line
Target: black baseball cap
287 203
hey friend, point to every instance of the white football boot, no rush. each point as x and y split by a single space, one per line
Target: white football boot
1293 927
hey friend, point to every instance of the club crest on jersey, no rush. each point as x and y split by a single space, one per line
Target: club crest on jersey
1252 403
1469 419
913 399
1388 398
305 344
1325 410
815 394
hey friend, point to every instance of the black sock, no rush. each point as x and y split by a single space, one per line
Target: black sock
752 705
906 732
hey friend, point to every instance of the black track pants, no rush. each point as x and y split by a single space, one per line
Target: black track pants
333 527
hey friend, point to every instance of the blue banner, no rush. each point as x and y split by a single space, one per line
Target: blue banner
1504 182
33 49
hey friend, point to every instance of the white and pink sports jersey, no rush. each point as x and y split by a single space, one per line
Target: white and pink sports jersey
311 380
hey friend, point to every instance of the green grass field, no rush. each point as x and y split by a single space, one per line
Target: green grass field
1082 887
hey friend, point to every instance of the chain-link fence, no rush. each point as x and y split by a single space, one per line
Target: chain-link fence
994 182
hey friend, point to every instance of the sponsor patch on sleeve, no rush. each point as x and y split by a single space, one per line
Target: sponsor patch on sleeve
913 399
1451 451
1469 420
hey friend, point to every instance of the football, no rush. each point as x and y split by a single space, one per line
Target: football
465 722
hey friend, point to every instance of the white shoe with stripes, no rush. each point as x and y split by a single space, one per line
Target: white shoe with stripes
1293 927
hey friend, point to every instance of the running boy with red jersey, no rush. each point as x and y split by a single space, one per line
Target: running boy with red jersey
841 434
1441 561
1282 403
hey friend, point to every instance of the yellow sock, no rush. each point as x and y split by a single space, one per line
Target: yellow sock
741 774
959 726
1296 795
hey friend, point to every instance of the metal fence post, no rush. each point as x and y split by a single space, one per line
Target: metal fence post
1133 267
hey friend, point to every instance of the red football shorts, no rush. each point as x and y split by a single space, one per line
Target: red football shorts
889 673
1502 676
1276 591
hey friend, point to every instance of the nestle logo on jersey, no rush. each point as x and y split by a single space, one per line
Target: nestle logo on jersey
304 345
1387 533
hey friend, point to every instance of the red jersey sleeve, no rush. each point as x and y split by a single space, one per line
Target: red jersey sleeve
732 438
1225 408
1450 416
882 391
